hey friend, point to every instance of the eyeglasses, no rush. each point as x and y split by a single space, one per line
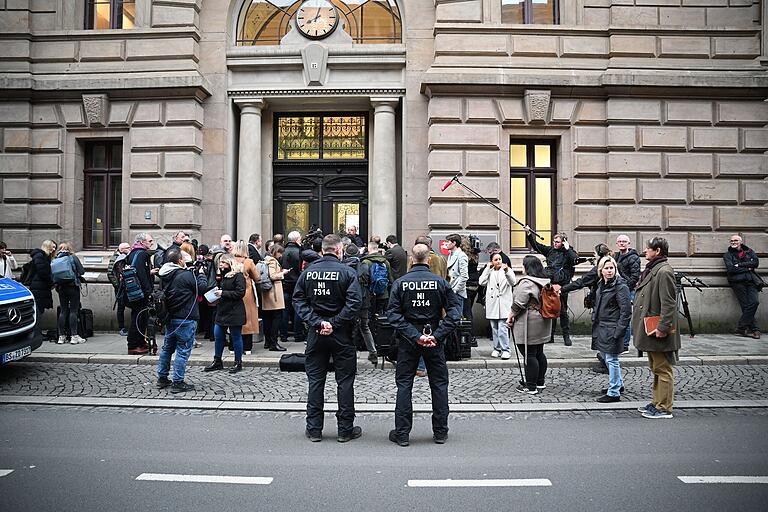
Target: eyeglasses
735 241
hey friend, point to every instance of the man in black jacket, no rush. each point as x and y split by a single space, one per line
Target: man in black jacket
254 247
416 306
628 262
139 259
561 263
182 288
328 299
397 257
292 262
740 265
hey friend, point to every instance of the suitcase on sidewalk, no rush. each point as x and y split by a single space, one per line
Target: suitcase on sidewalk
453 347
464 332
297 362
384 337
85 323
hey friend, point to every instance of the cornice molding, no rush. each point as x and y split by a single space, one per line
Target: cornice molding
318 92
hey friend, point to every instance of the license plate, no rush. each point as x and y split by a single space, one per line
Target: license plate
16 354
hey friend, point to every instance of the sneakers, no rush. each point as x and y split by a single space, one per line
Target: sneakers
495 353
352 434
76 340
645 408
540 387
755 335
505 354
607 399
525 389
314 435
440 438
398 440
181 387
123 332
62 340
163 382
653 413
138 351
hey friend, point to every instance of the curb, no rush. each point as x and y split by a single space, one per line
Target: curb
262 362
221 405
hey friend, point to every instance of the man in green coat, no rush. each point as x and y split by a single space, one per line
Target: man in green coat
656 296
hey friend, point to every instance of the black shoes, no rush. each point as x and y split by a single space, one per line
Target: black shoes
600 369
314 435
215 365
607 399
567 339
277 348
352 434
398 440
605 390
238 366
163 382
440 438
181 387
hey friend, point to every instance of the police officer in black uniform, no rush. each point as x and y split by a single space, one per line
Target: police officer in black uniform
327 297
416 306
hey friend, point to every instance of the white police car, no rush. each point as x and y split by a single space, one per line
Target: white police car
17 321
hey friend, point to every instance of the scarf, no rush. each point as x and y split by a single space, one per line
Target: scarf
649 266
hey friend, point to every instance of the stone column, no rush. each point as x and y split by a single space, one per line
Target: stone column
249 171
382 187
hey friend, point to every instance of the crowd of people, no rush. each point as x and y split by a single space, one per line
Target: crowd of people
333 288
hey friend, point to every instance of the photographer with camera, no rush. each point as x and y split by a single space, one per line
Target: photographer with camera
181 286
7 261
740 265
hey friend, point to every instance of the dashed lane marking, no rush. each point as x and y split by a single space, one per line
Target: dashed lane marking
724 479
510 482
5 472
207 479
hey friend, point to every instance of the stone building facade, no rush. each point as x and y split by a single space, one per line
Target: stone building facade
593 117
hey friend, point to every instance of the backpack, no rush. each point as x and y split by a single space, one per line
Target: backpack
131 284
379 278
27 272
63 270
159 257
159 302
265 283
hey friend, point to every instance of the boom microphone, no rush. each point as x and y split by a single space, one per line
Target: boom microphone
449 183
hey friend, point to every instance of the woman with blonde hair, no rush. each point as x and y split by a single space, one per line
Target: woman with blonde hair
272 301
69 293
251 327
40 282
187 253
230 312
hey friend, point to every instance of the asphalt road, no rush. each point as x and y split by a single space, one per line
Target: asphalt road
88 459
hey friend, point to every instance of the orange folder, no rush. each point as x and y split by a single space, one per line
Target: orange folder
651 323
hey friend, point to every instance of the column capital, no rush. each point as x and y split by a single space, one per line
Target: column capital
250 105
384 104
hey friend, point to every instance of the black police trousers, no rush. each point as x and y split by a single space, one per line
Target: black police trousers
437 372
318 354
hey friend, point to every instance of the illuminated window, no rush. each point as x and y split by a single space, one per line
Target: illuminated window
321 137
532 190
265 22
106 14
103 176
541 12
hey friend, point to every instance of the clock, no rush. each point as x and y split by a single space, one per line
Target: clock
317 19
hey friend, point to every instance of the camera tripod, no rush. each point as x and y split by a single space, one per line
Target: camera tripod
682 299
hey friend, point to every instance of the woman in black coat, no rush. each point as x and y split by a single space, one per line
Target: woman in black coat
40 283
610 319
230 312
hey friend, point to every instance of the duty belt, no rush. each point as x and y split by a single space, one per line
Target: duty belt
427 328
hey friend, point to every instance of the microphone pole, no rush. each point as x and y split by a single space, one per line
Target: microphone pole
485 200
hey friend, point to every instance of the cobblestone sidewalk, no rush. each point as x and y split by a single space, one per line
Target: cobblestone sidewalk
479 386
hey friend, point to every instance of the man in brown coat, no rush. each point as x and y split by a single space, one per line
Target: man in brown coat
656 296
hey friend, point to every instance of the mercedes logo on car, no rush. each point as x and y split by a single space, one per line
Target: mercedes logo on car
14 316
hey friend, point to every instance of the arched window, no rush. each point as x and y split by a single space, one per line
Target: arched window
265 22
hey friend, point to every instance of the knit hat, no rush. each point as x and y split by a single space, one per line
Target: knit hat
352 250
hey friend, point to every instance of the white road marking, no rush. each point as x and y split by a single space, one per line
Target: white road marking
724 479
511 482
5 472
208 479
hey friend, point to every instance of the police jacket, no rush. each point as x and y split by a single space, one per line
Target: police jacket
328 291
182 288
560 262
419 298
739 264
629 267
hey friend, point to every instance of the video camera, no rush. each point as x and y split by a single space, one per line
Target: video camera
313 234
474 243
694 282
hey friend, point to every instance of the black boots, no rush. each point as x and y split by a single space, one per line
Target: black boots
215 365
236 367
567 339
277 348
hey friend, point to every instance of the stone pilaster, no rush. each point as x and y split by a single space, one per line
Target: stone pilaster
382 202
249 173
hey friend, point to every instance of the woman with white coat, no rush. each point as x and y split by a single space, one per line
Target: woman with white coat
498 279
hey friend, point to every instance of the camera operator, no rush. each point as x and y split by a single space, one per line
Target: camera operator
311 254
740 265
7 261
181 287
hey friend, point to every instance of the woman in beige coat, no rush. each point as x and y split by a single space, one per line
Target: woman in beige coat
530 330
498 279
252 278
272 302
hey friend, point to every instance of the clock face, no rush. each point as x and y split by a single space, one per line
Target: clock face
316 19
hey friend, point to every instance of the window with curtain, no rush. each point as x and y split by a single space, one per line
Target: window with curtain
265 22
102 212
532 173
106 14
540 12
